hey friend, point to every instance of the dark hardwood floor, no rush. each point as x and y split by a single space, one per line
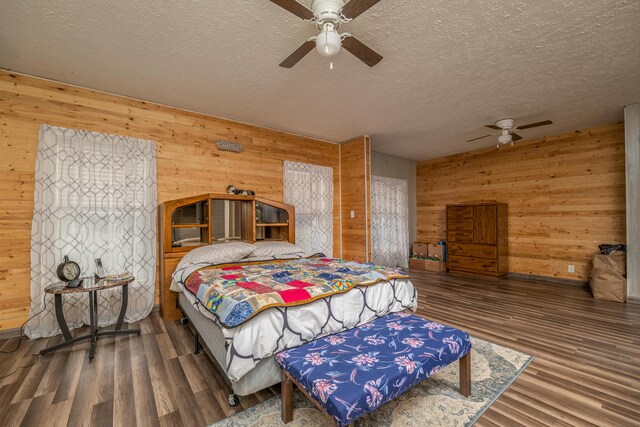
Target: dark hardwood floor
586 371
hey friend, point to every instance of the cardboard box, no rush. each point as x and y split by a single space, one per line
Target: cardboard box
423 264
433 266
417 264
608 281
420 248
436 250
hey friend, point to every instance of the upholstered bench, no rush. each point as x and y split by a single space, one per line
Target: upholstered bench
350 374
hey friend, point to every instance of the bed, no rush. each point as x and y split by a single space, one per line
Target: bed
248 300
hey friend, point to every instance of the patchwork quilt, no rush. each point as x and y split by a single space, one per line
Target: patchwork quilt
236 293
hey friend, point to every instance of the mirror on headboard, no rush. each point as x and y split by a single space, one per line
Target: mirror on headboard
226 220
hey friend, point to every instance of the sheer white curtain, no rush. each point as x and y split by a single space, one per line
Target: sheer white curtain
390 221
310 189
95 197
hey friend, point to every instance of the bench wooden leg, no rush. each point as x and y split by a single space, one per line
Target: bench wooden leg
465 374
287 398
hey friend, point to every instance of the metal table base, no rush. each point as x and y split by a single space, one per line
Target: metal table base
93 316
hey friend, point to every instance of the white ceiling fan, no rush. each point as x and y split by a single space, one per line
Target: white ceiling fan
327 15
507 128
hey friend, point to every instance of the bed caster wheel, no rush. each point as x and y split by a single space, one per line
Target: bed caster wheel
184 321
234 400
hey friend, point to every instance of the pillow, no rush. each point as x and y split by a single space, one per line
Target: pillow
275 249
217 253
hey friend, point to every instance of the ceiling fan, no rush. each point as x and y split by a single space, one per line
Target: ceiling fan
328 15
507 130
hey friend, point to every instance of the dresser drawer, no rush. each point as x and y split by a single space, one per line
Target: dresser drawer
465 224
458 212
477 251
468 263
464 236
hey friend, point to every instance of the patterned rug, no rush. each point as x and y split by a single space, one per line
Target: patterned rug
433 402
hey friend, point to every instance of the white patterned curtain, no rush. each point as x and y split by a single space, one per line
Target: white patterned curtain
95 197
390 221
310 189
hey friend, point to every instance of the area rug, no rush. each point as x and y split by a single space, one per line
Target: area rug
433 402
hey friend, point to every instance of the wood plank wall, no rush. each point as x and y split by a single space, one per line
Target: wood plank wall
566 195
355 157
188 161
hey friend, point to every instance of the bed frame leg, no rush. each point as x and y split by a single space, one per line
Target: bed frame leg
184 320
196 349
465 374
233 399
287 398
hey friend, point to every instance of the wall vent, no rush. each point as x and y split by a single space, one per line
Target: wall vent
232 146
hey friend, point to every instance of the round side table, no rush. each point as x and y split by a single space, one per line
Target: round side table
89 285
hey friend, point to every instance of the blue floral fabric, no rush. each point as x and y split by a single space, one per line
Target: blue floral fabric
353 372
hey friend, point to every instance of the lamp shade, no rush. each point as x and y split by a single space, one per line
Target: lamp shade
328 42
504 139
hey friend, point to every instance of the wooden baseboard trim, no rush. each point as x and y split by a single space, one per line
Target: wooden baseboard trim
633 300
9 333
547 279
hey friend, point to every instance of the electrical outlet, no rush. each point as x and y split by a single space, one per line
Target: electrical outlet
571 268
353 214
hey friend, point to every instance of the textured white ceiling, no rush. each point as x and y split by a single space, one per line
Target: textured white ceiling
449 66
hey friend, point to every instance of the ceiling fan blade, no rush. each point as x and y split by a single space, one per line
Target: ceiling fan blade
480 137
294 7
299 53
535 125
493 127
515 137
361 51
355 8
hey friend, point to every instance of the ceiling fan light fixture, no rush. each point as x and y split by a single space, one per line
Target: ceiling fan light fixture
328 42
504 138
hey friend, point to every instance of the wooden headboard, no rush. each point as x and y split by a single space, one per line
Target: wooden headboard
197 221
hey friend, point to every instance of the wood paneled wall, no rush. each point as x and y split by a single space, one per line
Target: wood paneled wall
188 161
566 195
355 157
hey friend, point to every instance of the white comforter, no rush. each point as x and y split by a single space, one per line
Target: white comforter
280 328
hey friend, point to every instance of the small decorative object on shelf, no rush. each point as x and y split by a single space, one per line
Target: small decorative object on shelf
116 278
231 189
68 270
99 269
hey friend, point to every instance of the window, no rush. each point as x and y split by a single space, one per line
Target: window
95 197
390 221
310 189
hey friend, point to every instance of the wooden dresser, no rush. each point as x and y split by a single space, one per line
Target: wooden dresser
477 238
